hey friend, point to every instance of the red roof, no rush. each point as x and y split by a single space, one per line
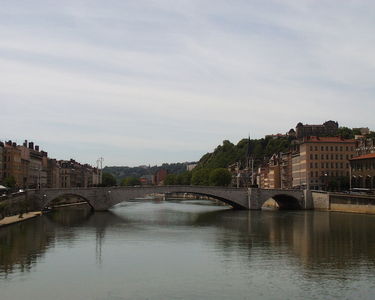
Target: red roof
327 139
365 156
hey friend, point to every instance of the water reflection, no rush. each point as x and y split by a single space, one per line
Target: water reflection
315 241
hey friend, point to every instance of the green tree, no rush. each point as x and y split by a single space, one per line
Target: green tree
184 178
220 177
200 177
10 182
171 179
130 181
108 180
346 133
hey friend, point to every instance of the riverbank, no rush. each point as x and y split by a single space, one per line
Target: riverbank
16 219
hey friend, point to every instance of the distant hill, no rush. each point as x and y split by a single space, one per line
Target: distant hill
122 172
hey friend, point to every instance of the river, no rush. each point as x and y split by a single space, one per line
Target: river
191 249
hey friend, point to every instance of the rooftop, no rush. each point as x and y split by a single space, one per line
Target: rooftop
365 156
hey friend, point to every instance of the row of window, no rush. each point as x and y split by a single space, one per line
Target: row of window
331 156
332 148
326 174
369 165
331 165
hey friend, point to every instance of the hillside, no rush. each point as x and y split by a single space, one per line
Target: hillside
228 153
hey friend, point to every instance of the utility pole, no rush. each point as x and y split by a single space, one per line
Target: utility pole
100 161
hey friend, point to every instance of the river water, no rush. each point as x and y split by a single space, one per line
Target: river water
191 249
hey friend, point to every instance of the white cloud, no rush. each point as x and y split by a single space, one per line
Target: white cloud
182 75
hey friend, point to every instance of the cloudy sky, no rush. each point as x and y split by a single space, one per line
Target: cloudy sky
152 81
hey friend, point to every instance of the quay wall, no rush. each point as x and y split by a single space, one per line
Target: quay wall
320 200
352 203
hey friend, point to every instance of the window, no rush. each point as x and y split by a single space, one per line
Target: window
316 156
337 156
331 148
316 148
311 148
322 148
327 156
322 156
322 165
332 165
336 148
311 165
341 165
316 165
311 156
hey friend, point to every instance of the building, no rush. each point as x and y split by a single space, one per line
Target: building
318 162
1 162
53 173
146 179
277 173
363 171
329 128
12 167
365 146
286 180
262 177
160 176
362 130
34 166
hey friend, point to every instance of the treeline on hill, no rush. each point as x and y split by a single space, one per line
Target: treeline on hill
121 173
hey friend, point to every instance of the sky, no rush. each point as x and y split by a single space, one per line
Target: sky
152 81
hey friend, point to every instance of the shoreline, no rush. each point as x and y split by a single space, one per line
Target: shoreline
15 219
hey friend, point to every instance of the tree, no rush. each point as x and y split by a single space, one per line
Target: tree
170 179
184 178
346 133
200 177
220 177
10 182
130 181
108 180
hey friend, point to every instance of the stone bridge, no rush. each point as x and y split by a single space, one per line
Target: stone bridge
105 197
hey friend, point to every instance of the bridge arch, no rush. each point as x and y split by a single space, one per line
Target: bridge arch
210 195
285 201
48 200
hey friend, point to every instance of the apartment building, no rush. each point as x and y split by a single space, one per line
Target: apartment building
363 171
12 163
1 161
318 161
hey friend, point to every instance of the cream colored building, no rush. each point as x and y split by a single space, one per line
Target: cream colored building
316 161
